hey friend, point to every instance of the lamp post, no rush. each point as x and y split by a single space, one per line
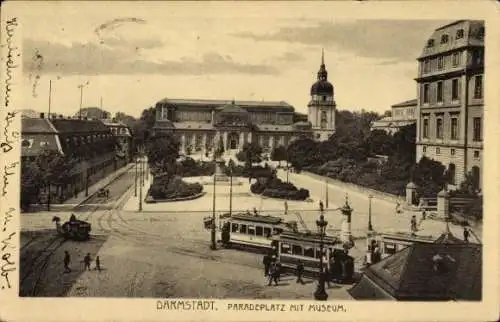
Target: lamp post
140 183
135 182
326 193
81 86
370 227
320 293
230 188
213 244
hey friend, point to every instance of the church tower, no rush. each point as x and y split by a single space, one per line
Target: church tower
322 107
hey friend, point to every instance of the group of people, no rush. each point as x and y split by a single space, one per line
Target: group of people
272 269
86 262
374 255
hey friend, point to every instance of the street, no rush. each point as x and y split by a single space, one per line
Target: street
165 252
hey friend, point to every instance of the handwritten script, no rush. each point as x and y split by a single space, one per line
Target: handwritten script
12 57
9 137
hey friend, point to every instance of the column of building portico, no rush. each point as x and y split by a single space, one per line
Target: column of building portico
271 141
242 140
225 141
282 140
183 142
204 143
249 137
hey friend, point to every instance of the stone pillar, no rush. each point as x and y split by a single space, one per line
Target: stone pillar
443 204
213 117
411 193
249 137
225 142
345 231
242 140
272 139
183 142
204 143
282 140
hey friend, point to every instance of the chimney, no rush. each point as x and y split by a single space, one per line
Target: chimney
42 115
61 116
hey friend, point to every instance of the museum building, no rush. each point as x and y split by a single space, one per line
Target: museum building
197 122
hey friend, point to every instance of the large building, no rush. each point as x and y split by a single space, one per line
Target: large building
402 114
270 124
90 142
450 90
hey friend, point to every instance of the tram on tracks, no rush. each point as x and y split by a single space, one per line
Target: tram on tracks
391 242
249 230
295 246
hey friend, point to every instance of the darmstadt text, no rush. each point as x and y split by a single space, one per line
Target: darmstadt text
186 305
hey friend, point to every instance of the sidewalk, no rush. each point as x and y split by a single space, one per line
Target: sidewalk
81 198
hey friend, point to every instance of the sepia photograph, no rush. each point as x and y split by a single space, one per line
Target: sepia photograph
202 152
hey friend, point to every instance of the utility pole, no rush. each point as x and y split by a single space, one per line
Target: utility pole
50 96
81 86
231 190
370 227
140 185
135 182
326 193
213 245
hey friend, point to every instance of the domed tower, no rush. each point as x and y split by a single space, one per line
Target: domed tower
322 105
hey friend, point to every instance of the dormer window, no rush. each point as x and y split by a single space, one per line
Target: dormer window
430 43
480 33
460 33
444 39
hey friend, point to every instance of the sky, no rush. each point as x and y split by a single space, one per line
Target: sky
132 57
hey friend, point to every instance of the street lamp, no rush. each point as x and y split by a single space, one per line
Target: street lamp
370 227
140 182
230 188
81 86
320 293
326 193
213 244
135 181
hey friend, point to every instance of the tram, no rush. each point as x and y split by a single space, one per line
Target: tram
252 230
294 246
391 242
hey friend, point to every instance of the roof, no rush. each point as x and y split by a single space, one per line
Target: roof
109 122
311 237
37 125
258 218
366 289
32 144
448 238
473 35
193 125
93 113
79 126
218 103
275 127
412 102
434 271
232 108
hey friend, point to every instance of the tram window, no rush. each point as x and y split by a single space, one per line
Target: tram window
267 231
258 231
389 248
243 229
296 250
234 228
285 249
251 230
309 252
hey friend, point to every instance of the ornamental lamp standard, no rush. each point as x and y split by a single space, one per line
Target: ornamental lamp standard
370 227
135 181
230 187
213 244
320 293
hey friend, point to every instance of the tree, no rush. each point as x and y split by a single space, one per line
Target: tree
163 151
279 154
404 143
250 153
429 176
387 113
380 142
128 120
303 152
143 128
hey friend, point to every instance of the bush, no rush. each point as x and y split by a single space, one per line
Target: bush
173 188
275 188
192 168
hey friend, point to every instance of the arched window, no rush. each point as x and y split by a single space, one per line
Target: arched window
451 173
324 119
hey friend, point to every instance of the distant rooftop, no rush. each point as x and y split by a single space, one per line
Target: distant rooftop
412 102
211 102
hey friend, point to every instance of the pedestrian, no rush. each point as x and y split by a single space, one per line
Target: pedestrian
424 214
300 272
286 208
86 262
97 263
376 255
321 207
67 260
267 262
398 207
273 274
466 235
278 269
413 223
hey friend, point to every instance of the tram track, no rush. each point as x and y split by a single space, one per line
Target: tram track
37 266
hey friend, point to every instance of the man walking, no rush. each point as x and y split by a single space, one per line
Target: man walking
67 260
86 262
300 272
273 274
97 263
267 262
466 235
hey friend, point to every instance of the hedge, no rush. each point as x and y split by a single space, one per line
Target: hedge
275 188
162 188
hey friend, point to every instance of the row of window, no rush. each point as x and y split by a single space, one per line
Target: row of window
119 130
298 250
454 130
410 112
438 88
77 140
454 60
258 118
254 230
459 34
452 152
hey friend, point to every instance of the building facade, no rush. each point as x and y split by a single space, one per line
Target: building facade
450 91
402 114
123 135
89 142
197 122
322 106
